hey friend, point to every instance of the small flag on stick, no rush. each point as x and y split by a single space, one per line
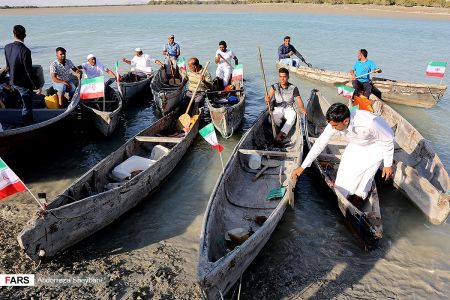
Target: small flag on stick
436 68
238 72
209 134
9 182
92 88
345 91
181 63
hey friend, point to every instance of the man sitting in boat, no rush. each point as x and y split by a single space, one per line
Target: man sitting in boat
361 67
141 64
286 52
60 71
94 68
194 77
172 51
285 93
223 60
371 142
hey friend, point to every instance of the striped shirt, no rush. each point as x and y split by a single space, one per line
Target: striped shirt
62 72
194 78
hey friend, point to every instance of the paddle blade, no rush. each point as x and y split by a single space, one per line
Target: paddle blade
184 122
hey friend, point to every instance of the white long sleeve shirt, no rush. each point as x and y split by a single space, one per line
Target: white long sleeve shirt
365 129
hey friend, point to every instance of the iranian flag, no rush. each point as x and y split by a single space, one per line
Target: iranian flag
345 91
238 73
209 134
117 71
9 182
92 88
181 63
436 68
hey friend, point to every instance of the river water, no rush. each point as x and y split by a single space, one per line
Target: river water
311 254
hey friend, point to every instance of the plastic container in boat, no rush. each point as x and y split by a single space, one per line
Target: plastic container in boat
132 164
254 162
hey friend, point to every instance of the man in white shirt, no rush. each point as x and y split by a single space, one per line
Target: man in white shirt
371 142
94 68
141 63
223 60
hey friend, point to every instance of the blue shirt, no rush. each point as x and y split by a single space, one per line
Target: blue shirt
361 68
172 49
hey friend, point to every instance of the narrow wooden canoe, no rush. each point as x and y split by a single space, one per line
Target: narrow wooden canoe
419 172
365 221
393 91
135 90
105 115
96 199
167 96
47 123
238 202
227 117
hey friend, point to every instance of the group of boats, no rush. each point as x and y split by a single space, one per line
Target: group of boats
247 202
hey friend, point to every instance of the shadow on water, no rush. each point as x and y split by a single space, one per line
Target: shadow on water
312 253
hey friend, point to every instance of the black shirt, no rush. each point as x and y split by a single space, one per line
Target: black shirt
19 63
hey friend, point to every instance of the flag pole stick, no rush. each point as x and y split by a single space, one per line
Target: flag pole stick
43 207
442 78
221 160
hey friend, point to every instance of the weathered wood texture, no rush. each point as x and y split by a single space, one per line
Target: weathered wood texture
367 221
47 123
235 203
88 206
136 91
225 117
399 92
167 97
105 121
419 172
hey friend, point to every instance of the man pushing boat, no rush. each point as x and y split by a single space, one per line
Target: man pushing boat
371 142
284 93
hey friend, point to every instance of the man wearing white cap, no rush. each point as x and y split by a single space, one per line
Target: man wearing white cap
94 68
141 63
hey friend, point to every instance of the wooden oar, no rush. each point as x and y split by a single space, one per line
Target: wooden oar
185 119
345 82
226 61
274 130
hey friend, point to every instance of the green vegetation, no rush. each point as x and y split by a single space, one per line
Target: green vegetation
430 3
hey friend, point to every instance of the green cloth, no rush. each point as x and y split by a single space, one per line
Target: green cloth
276 193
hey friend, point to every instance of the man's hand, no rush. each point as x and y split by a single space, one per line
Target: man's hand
308 64
377 70
267 99
297 172
387 173
290 53
68 87
303 110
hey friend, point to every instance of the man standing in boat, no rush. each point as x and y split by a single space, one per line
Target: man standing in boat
172 51
285 93
223 60
19 65
141 63
363 66
371 142
194 77
286 52
60 71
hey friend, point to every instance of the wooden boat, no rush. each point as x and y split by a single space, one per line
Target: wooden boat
366 221
104 114
418 171
393 91
98 198
132 90
227 117
47 123
166 96
238 203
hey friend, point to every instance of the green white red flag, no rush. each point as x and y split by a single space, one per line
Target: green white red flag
209 134
117 71
345 91
92 88
436 68
181 63
238 72
9 182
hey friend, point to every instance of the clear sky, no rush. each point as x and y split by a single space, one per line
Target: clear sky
67 2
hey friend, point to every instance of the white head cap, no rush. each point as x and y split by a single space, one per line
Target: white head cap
90 56
138 50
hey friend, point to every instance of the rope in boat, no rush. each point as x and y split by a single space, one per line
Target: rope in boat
224 121
437 100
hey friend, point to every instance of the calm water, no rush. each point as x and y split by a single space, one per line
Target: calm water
319 256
